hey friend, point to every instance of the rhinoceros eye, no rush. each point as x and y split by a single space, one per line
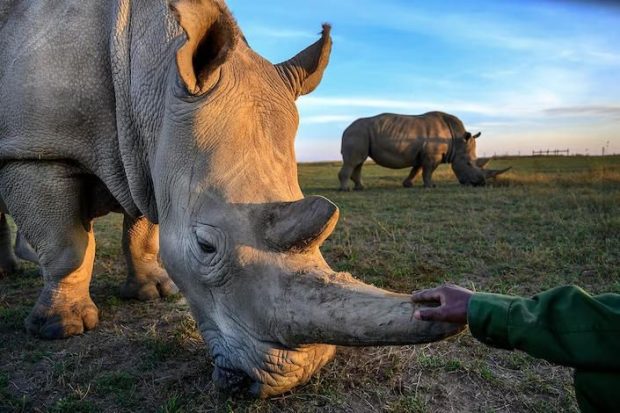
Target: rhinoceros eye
207 247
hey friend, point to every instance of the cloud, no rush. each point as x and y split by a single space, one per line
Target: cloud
321 119
608 111
405 106
255 31
498 27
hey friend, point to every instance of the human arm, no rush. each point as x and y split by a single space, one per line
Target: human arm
564 325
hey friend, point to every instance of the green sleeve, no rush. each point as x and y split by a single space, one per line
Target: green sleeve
564 325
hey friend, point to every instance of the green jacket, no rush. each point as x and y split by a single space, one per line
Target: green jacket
565 326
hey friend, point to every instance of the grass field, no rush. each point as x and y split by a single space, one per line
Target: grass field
549 221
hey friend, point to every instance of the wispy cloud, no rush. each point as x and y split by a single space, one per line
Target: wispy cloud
611 111
280 33
493 29
321 119
405 106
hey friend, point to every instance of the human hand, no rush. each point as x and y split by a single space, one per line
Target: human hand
453 302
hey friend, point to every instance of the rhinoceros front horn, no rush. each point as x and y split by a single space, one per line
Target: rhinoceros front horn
483 162
491 173
300 225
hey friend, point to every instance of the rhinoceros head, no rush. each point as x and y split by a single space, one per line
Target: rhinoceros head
236 233
468 169
464 161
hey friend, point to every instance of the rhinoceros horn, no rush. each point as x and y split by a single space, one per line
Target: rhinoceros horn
300 225
494 173
482 162
304 72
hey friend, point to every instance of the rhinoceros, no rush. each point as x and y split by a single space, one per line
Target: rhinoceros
422 142
164 113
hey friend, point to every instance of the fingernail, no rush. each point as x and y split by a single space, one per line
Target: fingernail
417 315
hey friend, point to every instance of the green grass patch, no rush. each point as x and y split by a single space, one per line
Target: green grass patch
116 382
74 405
173 405
549 221
159 349
8 401
12 318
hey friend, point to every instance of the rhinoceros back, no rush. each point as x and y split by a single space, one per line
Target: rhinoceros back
399 141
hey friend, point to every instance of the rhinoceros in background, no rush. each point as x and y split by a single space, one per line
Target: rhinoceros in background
165 113
418 141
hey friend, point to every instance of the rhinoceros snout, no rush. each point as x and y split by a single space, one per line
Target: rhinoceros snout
473 183
249 366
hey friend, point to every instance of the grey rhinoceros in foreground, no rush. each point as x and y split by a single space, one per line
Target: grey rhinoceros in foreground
418 141
165 113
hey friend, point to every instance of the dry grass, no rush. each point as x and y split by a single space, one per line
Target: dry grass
549 221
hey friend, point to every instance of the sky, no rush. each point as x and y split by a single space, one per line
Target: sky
530 75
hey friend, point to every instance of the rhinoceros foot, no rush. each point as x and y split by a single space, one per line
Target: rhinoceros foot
157 284
61 319
359 188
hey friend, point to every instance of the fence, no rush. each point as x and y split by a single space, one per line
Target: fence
554 152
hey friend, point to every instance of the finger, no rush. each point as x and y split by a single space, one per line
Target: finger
426 296
429 314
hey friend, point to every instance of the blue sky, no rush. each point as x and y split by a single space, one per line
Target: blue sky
530 75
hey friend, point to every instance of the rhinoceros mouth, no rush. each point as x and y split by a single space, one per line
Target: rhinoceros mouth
232 380
266 369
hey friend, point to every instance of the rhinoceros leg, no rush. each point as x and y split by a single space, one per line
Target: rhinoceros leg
344 175
427 174
47 208
8 263
415 171
146 279
356 177
353 172
355 151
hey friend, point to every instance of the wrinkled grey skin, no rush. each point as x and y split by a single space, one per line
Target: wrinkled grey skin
421 142
166 114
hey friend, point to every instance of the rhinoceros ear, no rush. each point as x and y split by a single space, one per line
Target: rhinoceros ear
469 136
301 225
304 72
211 34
